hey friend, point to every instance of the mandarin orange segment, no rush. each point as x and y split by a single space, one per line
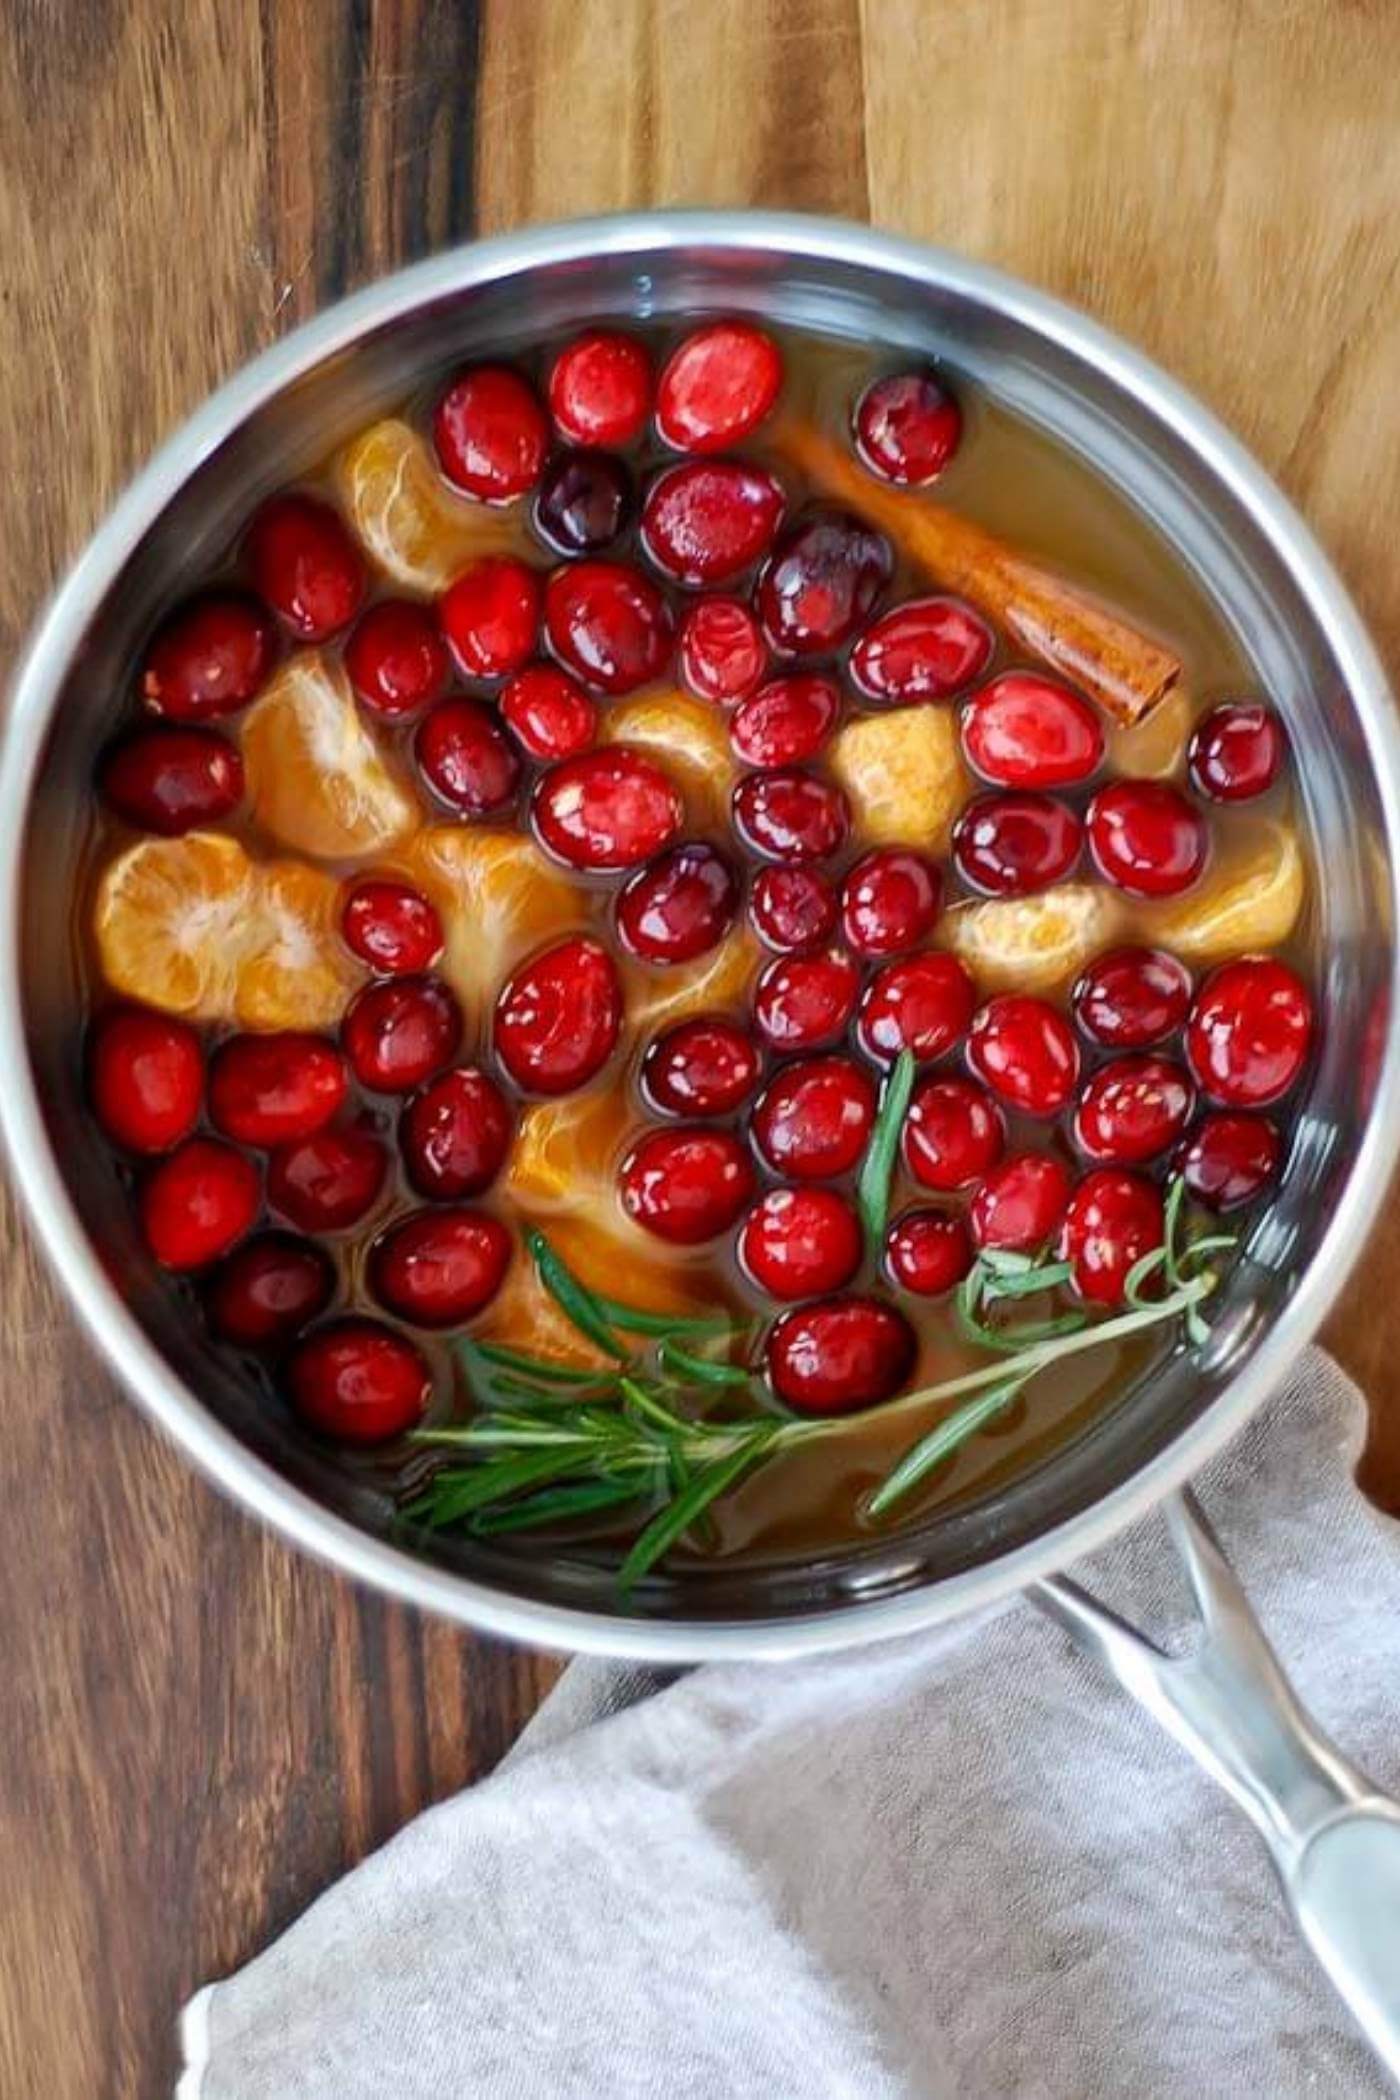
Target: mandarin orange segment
1033 944
1248 899
295 971
170 918
565 1147
718 982
317 779
688 737
903 775
419 531
499 899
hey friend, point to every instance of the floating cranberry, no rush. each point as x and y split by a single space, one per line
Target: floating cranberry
197 1203
924 1004
822 583
1146 838
1250 1029
803 1002
606 810
1024 731
583 501
704 1067
145 1077
397 1033
607 623
267 1089
720 649
1112 1220
455 1134
800 1243
928 1252
792 908
679 906
396 658
600 389
1020 1202
391 926
786 721
558 1018
210 658
953 1133
813 1120
170 780
717 386
889 901
1024 1051
907 428
1132 1109
709 520
790 816
438 1268
1228 1160
306 565
550 716
1132 998
834 1358
922 650
327 1182
491 434
686 1186
1235 751
358 1381
1008 845
490 615
270 1288
466 756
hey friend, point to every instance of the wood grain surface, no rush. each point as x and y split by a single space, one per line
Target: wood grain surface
198 1731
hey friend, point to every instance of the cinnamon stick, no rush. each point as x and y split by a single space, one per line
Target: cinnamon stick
1116 664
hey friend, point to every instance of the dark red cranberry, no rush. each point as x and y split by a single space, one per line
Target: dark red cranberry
1132 1109
583 501
608 624
391 926
1249 1033
800 1243
455 1134
305 564
704 1067
270 1288
606 810
396 658
720 650
786 721
790 816
1008 845
813 1120
490 615
923 650
686 1186
437 1268
822 583
924 1004
1235 751
889 901
267 1089
834 1358
803 1002
928 1252
558 1018
358 1381
197 1203
907 428
792 908
1020 1202
1228 1160
600 389
1132 998
146 1078
466 756
491 434
1025 731
211 658
953 1133
1025 1052
1146 838
1112 1220
679 906
550 716
170 780
709 520
398 1033
717 386
327 1182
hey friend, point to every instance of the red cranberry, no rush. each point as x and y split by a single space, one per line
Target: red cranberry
686 1186
813 1120
1009 844
550 716
928 1252
197 1203
600 389
786 721
455 1134
720 649
1228 1160
606 810
326 1182
792 908
907 428
169 780
709 520
269 1288
490 615
803 1002
437 1268
1025 1052
607 623
1132 998
822 583
834 1358
358 1382
800 1243
1250 1029
466 756
1020 1202
391 926
1235 751
889 901
396 658
704 1067
1132 1108
267 1089
211 658
1024 731
924 1004
491 434
953 1133
790 816
1112 1220
583 502
306 565
397 1033
558 1018
923 650
1146 838
717 386
679 906
146 1076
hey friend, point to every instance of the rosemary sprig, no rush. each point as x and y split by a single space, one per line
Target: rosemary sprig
877 1170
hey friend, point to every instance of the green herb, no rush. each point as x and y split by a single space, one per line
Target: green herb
877 1170
941 1442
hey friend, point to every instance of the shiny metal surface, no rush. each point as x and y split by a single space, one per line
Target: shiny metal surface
1223 518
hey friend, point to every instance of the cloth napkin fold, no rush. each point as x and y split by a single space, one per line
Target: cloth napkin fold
961 1866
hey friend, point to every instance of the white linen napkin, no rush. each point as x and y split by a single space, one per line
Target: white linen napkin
961 1865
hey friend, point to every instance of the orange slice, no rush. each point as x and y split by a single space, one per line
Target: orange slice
295 971
316 777
718 982
688 736
170 919
568 1148
522 1315
499 898
1034 944
1248 900
418 531
904 775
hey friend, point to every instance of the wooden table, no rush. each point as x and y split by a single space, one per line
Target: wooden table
199 1731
